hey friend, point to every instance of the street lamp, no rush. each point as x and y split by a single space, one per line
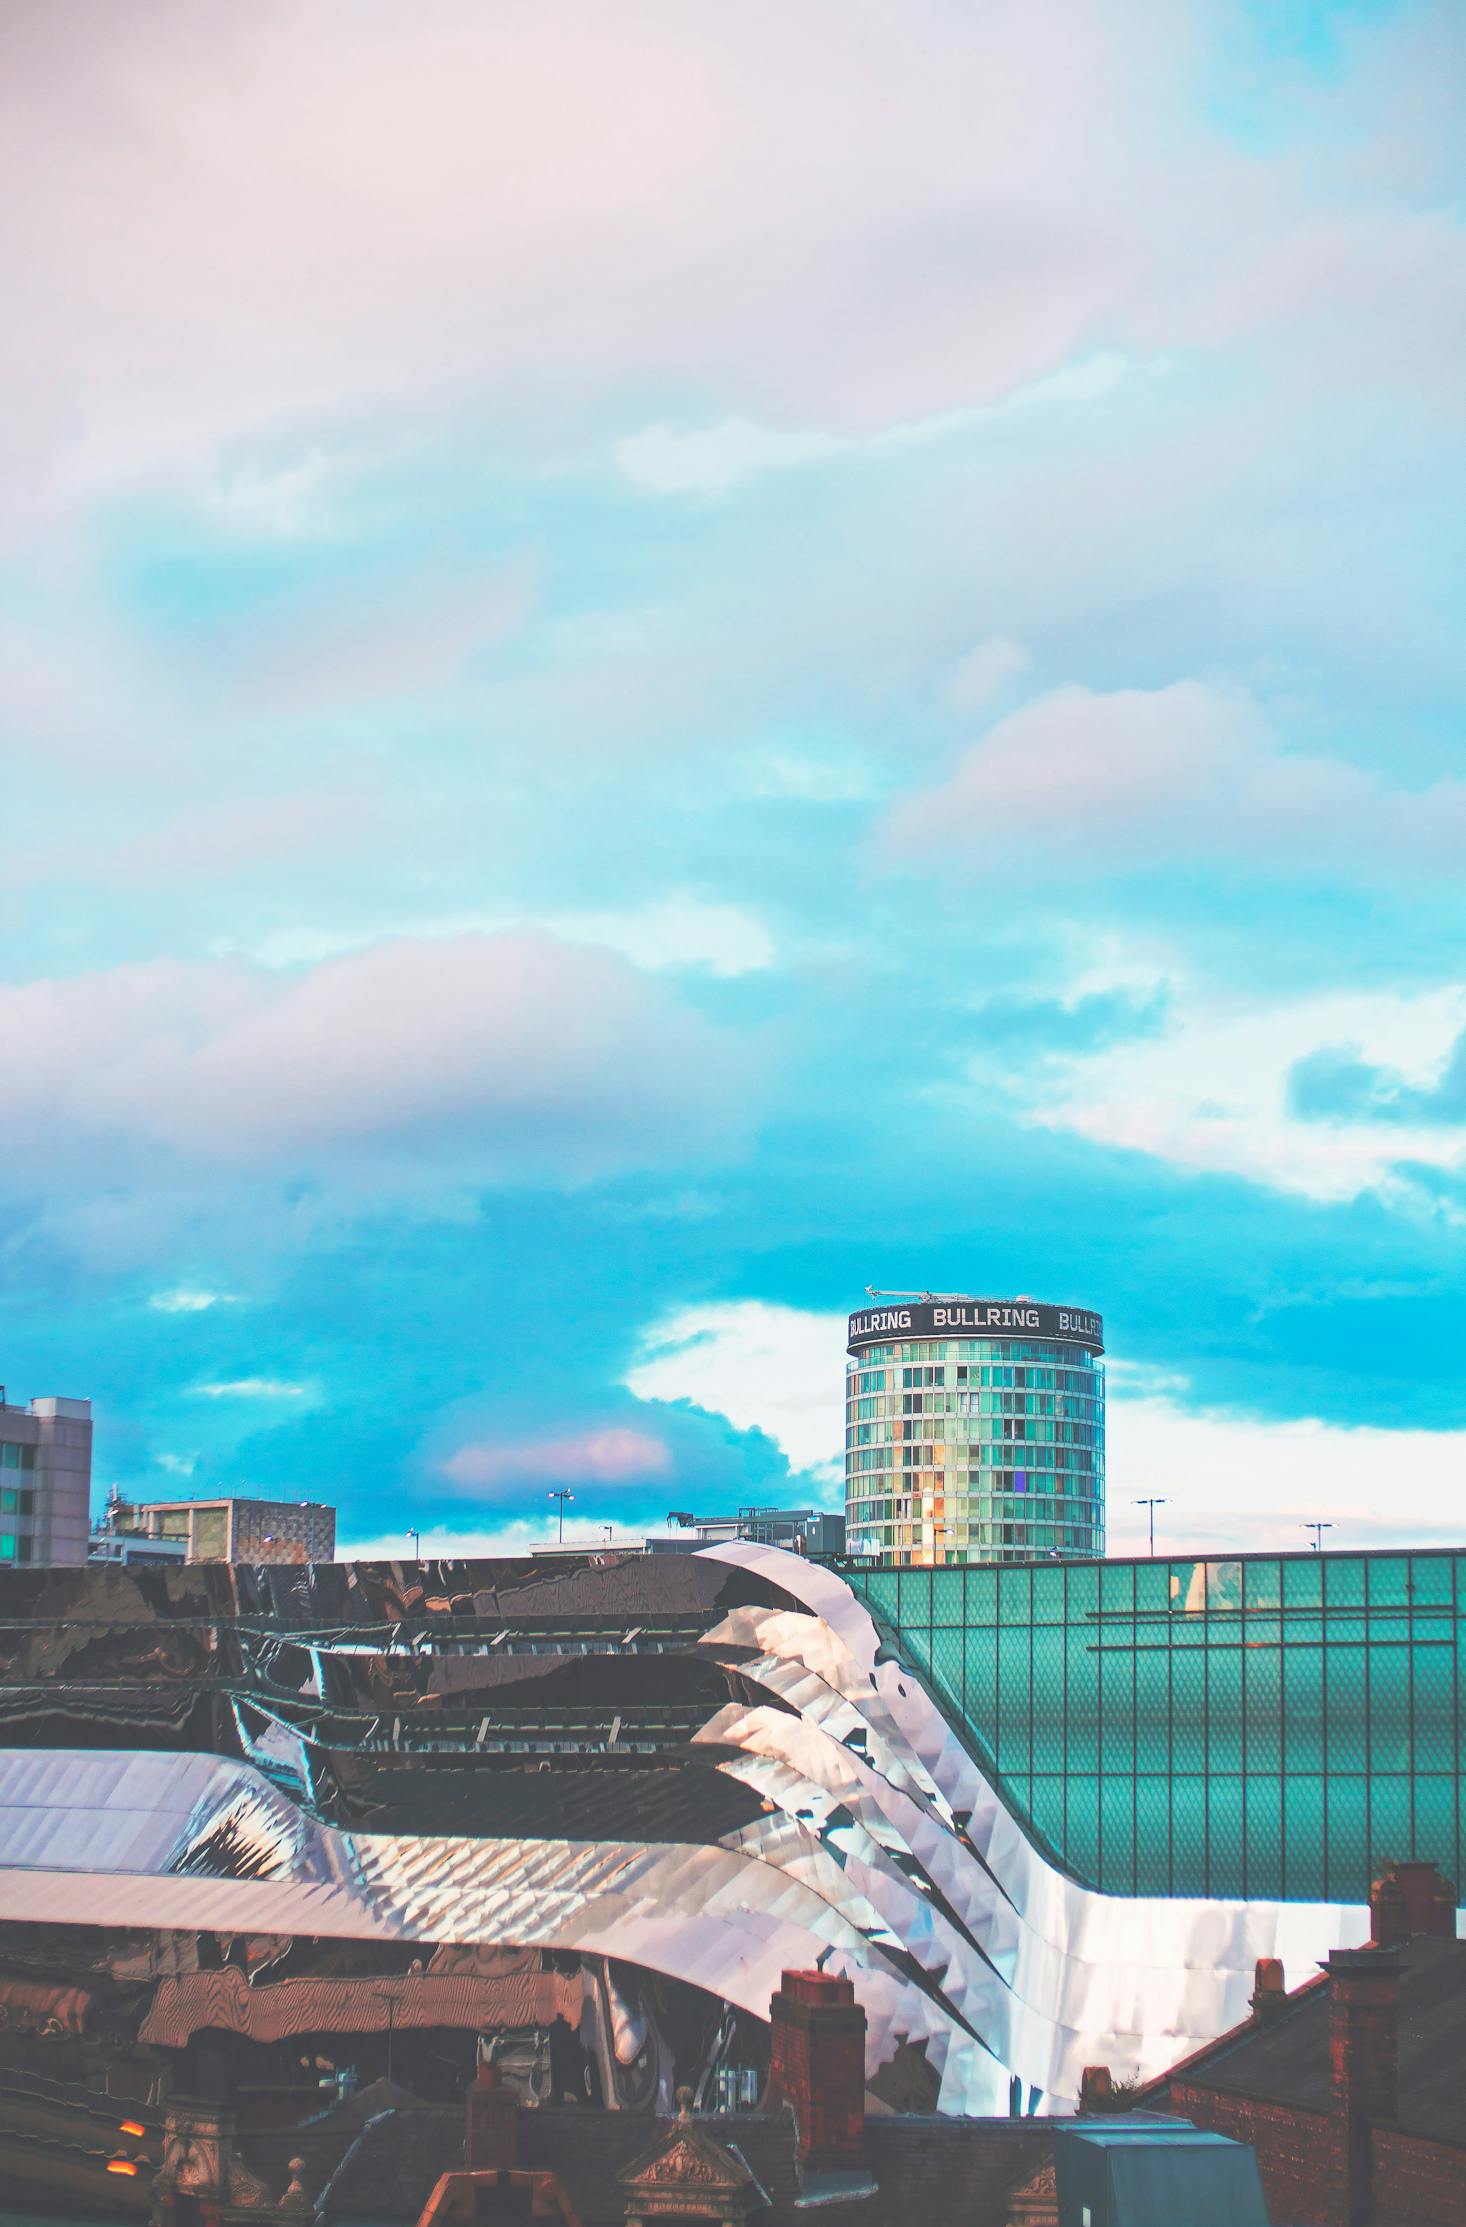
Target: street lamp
562 1496
1318 1530
416 1538
1152 1505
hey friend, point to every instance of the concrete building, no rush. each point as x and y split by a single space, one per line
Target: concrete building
234 1530
974 1430
45 1480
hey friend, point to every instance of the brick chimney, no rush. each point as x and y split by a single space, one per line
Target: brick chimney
1411 1898
1269 1995
1096 2091
491 2128
1364 2061
817 2066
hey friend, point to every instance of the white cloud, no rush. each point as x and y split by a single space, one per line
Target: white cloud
986 671
509 1054
1087 379
286 501
816 779
1211 1090
1230 1481
503 208
253 1388
769 1368
1092 784
189 1301
714 461
861 229
1234 1483
680 931
675 932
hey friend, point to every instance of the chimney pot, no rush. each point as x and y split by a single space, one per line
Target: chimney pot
1096 2090
1269 1994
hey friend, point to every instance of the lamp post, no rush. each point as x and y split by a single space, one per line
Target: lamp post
1318 1530
416 1538
1151 1506
562 1496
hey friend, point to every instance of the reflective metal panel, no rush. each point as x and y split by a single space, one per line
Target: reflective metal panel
714 1782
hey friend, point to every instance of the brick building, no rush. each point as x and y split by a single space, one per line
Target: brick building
1350 2089
811 2152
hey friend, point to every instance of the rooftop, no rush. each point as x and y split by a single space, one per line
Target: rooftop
1286 2058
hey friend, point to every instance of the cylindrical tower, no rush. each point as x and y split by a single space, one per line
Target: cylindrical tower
974 1431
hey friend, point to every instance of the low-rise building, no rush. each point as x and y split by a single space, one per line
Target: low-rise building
226 1529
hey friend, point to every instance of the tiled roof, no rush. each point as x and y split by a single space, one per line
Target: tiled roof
1287 2059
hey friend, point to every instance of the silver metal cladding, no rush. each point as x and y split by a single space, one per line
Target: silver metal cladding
872 1844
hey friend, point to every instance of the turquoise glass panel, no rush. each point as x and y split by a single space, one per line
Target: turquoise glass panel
1263 1726
1117 1830
1262 1698
1153 1834
1391 1828
1302 1875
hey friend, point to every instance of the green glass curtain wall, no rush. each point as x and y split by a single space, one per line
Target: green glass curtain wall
1260 1726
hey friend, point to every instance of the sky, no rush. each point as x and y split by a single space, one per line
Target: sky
660 663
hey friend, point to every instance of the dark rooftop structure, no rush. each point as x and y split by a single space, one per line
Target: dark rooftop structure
1352 2089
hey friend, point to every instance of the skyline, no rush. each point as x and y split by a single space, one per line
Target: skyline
652 675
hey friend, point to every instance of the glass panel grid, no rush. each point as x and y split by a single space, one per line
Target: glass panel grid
1263 1726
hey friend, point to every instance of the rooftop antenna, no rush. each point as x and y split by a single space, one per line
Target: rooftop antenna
1318 1530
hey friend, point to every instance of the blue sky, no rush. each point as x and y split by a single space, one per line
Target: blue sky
660 664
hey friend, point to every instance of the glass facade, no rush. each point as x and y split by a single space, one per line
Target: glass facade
1264 1726
986 1447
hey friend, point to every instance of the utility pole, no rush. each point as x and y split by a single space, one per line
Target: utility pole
1318 1530
1151 1506
562 1496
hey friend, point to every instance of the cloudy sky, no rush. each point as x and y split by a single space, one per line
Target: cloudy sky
659 662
